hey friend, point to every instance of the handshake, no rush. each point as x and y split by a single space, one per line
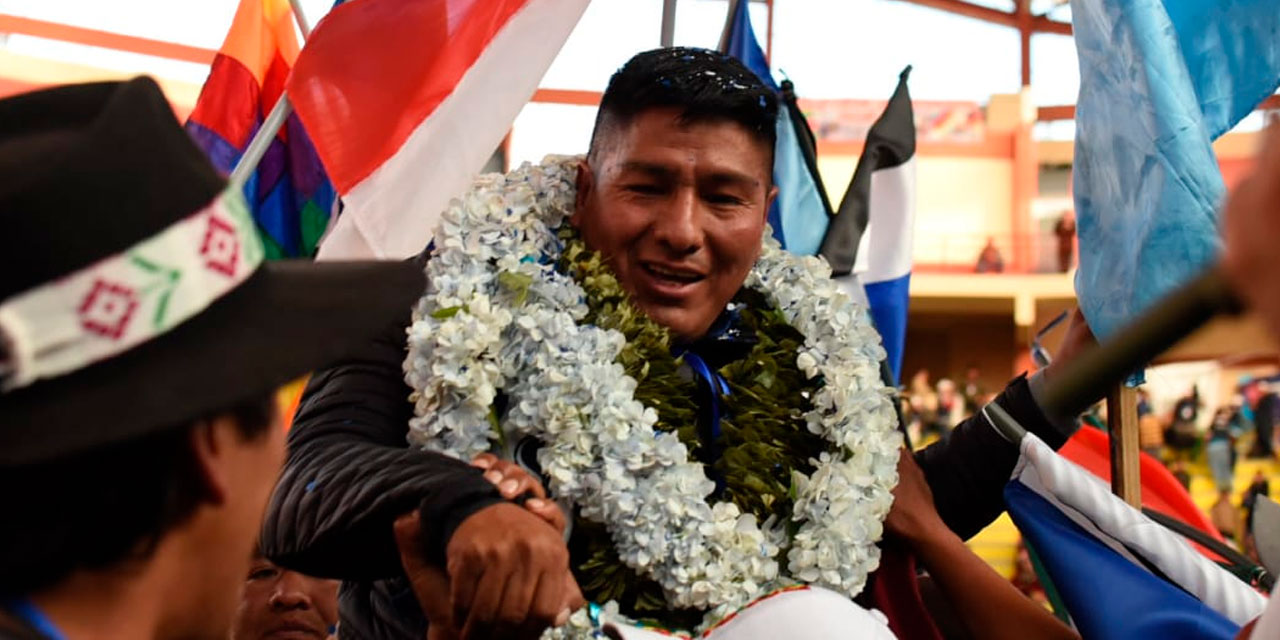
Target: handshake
506 572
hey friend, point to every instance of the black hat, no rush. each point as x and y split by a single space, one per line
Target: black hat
132 297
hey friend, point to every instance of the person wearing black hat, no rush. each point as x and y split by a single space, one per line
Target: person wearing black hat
141 337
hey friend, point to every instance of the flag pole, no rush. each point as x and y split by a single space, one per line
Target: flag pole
275 119
668 35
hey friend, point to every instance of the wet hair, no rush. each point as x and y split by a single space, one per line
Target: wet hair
703 85
105 506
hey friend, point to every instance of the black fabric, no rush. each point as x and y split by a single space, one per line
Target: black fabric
890 142
87 171
967 471
350 473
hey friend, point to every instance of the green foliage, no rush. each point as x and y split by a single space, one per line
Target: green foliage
763 436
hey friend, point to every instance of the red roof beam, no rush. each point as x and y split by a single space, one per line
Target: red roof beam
1039 24
104 39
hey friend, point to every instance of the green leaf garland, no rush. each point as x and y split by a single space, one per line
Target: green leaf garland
763 438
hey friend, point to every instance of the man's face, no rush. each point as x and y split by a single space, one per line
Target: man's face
283 605
242 472
678 210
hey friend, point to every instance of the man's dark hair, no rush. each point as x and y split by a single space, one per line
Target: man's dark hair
104 506
704 85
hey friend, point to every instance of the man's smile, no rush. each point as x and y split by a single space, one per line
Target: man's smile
669 280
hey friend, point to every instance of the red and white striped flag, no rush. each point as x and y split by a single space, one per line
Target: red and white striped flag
405 100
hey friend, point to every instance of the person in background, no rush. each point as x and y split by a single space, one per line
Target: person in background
1183 436
1065 231
1224 515
279 604
1265 413
1150 433
1219 450
142 337
1025 578
951 407
989 259
1179 470
974 394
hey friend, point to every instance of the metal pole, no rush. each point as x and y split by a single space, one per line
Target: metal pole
300 19
272 123
261 140
668 22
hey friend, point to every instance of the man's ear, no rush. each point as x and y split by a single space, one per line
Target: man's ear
211 442
584 183
768 201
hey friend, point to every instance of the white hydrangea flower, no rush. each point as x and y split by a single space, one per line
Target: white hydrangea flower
497 317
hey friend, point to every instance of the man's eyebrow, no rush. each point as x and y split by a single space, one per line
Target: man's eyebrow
720 177
651 169
730 178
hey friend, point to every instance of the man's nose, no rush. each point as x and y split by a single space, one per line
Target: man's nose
680 227
291 592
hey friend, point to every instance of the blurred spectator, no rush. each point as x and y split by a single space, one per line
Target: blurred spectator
1224 515
279 604
1182 436
947 410
1150 433
1219 450
974 394
990 260
924 402
1065 230
951 404
1257 487
1264 414
1024 575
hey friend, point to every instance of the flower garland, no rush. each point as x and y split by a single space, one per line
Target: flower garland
498 315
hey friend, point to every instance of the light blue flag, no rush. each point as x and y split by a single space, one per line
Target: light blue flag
1159 81
799 215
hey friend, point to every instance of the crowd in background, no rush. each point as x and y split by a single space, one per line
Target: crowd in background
1190 439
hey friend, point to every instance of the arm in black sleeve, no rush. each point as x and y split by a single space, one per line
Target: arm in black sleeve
968 470
350 473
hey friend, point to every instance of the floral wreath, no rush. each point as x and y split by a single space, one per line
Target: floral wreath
499 318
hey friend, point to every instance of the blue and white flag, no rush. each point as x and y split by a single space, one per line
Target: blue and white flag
1159 81
800 214
1120 574
870 240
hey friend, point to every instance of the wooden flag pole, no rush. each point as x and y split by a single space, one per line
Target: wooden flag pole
271 124
1122 422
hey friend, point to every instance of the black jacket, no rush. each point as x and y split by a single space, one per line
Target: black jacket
350 473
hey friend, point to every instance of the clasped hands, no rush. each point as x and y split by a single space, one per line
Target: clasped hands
506 572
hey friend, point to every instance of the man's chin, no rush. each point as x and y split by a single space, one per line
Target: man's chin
681 322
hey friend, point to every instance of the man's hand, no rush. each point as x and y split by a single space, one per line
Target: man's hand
1250 226
509 574
429 582
913 516
512 480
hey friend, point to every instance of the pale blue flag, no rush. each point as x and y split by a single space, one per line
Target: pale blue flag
1159 81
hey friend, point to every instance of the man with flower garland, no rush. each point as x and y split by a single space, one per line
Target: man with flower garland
673 197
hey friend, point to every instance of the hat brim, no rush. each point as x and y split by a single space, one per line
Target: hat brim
288 318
